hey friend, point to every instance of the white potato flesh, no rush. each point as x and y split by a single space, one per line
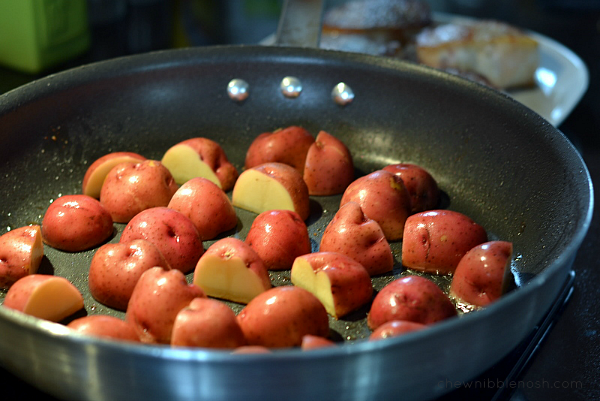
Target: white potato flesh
185 163
258 192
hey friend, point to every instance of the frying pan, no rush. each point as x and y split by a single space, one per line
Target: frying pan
494 159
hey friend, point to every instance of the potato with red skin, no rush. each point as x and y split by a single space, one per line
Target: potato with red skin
329 168
435 241
116 268
21 253
483 273
156 300
206 205
282 316
200 157
412 298
251 349
288 145
383 198
420 184
97 171
310 342
278 237
207 323
395 328
174 234
272 186
341 284
105 326
351 233
130 188
44 296
76 223
230 269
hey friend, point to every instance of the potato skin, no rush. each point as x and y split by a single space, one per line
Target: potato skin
104 326
278 237
420 184
289 146
96 173
395 328
21 252
482 274
75 223
282 316
435 241
412 298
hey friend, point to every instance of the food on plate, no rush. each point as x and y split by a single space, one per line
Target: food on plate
230 269
341 284
105 326
420 184
272 186
483 273
353 234
116 268
288 145
329 168
435 241
206 205
382 197
412 298
310 342
21 252
395 328
97 171
44 296
499 52
208 323
282 316
379 27
156 300
174 234
75 223
200 157
130 188
278 237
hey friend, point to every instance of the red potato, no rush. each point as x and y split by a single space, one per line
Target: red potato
289 146
156 300
251 349
310 342
436 240
130 188
420 184
44 296
272 186
353 234
207 323
75 223
230 269
278 237
282 316
175 236
341 284
21 252
200 157
329 168
412 298
383 198
97 171
116 268
395 328
483 274
105 326
206 205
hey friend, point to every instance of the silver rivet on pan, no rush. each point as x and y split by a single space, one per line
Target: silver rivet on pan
291 87
237 89
342 94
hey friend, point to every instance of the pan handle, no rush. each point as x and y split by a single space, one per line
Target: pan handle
300 23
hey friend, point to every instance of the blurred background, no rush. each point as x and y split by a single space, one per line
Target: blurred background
77 32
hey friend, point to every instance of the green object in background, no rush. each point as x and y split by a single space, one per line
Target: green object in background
38 34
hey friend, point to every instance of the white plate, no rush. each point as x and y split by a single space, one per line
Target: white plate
562 77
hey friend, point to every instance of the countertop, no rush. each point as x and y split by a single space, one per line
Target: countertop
566 362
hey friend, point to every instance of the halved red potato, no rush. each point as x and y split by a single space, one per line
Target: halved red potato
395 328
105 326
21 252
97 171
310 342
420 184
